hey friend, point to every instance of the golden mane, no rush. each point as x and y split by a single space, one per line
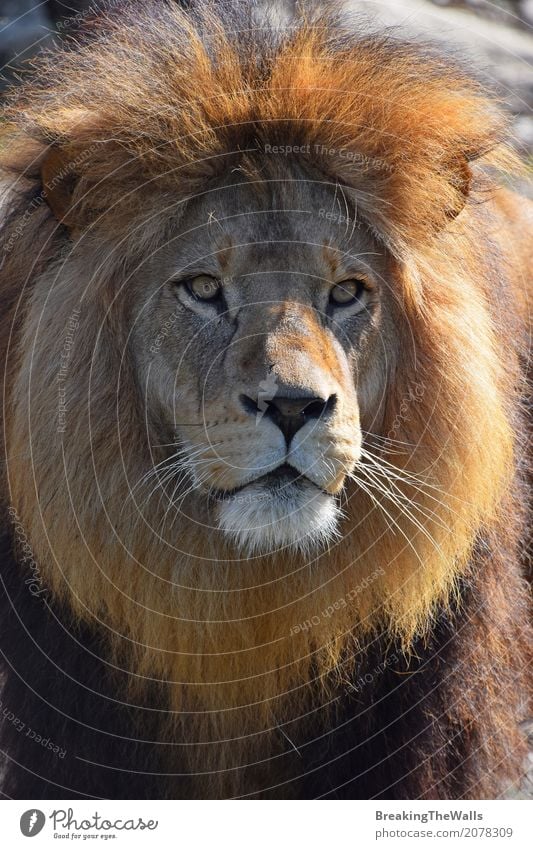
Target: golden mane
130 127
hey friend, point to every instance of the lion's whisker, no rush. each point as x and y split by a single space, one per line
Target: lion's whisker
406 475
175 504
394 522
389 471
388 440
160 469
405 504
392 479
402 508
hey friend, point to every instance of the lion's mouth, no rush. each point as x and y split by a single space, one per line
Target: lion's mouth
281 508
281 481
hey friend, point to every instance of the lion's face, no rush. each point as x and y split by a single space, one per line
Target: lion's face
256 333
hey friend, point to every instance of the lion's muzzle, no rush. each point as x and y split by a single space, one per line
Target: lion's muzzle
293 409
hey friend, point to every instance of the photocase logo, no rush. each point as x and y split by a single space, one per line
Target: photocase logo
32 822
267 390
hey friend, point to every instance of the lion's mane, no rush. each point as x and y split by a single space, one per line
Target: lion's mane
154 106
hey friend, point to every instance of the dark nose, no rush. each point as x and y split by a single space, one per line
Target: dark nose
290 413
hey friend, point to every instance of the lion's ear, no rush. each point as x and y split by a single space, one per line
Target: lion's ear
68 159
461 181
58 180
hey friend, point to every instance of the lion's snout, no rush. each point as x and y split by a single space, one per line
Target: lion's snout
289 409
295 404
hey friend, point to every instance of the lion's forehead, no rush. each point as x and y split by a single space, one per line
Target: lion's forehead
270 235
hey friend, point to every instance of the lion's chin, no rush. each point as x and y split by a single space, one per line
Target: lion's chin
263 517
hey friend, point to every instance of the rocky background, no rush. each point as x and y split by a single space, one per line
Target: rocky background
496 38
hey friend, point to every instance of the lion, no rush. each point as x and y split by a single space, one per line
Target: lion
264 328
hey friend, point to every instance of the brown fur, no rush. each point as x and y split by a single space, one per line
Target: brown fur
130 126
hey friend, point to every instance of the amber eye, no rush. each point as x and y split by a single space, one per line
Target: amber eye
347 292
204 288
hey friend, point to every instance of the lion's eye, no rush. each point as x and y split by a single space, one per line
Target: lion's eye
204 288
346 293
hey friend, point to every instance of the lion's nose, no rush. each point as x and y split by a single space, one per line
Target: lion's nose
290 413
